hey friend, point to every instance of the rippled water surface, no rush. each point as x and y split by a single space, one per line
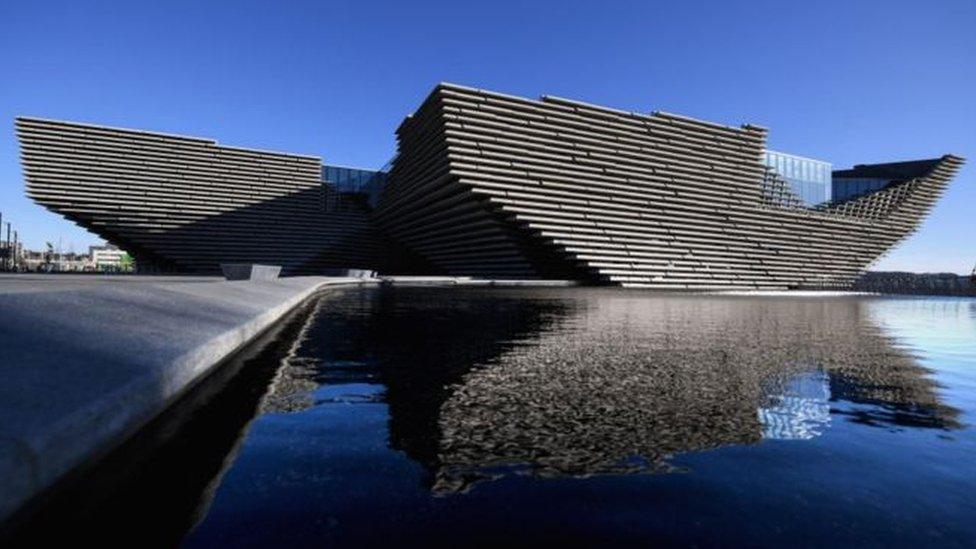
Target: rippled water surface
446 416
604 415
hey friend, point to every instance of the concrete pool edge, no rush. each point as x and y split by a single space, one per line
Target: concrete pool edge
117 400
89 360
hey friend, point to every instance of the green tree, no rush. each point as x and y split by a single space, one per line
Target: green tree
126 263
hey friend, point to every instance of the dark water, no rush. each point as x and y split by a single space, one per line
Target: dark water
588 417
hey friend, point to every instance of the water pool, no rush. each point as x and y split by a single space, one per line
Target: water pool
446 416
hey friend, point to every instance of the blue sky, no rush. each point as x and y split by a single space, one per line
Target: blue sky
846 81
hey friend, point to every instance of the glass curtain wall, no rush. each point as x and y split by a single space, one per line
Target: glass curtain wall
355 181
809 179
848 188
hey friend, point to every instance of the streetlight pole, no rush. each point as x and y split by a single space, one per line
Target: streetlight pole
11 252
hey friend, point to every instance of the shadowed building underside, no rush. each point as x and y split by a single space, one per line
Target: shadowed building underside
490 185
185 204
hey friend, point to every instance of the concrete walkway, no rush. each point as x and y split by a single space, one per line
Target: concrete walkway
87 360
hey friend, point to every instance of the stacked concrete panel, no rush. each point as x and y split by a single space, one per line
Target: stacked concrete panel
187 204
428 209
490 184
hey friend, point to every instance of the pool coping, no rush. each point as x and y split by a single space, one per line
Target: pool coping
72 392
176 342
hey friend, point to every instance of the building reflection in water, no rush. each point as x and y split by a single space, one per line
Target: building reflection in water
800 411
481 384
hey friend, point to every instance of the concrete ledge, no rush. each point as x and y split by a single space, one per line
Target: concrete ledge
407 281
250 271
88 360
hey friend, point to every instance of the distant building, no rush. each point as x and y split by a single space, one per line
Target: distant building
47 261
10 254
106 258
32 260
99 258
72 262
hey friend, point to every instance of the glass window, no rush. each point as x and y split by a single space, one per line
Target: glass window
809 179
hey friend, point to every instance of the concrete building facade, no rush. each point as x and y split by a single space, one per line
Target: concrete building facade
492 185
185 204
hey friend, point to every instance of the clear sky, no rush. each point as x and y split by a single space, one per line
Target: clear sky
844 81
